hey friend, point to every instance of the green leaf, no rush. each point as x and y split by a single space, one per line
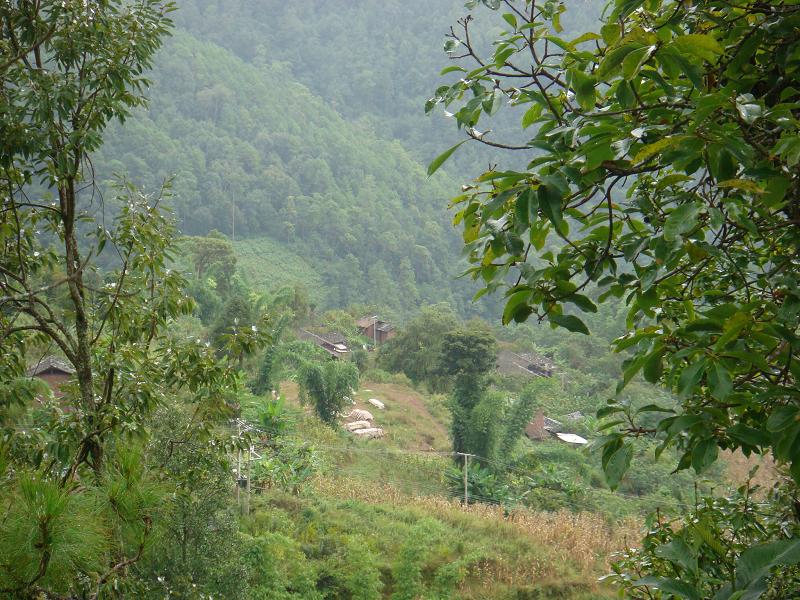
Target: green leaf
522 208
782 417
440 160
720 381
654 408
493 101
625 95
630 371
516 306
617 466
690 377
583 85
682 219
610 32
550 195
613 59
651 150
635 60
699 45
742 184
748 435
569 322
755 562
704 454
530 116
653 367
675 425
676 587
582 302
586 37
675 178
680 553
732 329
452 69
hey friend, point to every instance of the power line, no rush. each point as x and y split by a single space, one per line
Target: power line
671 502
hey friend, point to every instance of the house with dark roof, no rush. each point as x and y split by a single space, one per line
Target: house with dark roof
527 365
544 428
332 342
52 370
376 329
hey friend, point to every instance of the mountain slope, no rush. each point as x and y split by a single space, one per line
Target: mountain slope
257 154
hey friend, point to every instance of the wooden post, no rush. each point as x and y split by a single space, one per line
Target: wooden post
238 478
247 489
238 465
466 487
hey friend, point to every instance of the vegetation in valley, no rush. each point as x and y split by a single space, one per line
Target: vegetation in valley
235 359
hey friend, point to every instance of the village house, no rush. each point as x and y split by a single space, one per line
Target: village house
544 428
528 365
333 343
52 370
375 329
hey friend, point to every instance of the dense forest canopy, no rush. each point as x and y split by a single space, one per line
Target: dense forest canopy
309 132
264 147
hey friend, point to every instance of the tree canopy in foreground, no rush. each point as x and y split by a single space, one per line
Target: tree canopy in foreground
83 490
662 168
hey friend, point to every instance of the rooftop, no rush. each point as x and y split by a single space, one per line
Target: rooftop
524 364
48 363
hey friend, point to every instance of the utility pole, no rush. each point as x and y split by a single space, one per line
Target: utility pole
238 465
466 477
247 489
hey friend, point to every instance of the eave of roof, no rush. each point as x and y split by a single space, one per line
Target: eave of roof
50 362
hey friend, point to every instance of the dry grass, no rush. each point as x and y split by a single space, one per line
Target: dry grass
738 467
585 541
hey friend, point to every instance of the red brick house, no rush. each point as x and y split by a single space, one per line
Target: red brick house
542 428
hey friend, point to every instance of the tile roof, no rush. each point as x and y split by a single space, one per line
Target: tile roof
50 362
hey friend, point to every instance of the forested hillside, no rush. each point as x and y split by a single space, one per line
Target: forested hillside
373 61
256 154
303 123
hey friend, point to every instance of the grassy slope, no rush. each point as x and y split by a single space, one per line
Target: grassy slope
378 495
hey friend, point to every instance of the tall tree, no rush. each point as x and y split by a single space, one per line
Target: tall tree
466 358
416 350
664 155
68 68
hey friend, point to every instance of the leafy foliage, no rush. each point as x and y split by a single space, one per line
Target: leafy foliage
720 553
663 153
78 492
327 386
259 158
417 349
682 111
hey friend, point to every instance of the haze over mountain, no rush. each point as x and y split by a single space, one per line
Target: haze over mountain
315 172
